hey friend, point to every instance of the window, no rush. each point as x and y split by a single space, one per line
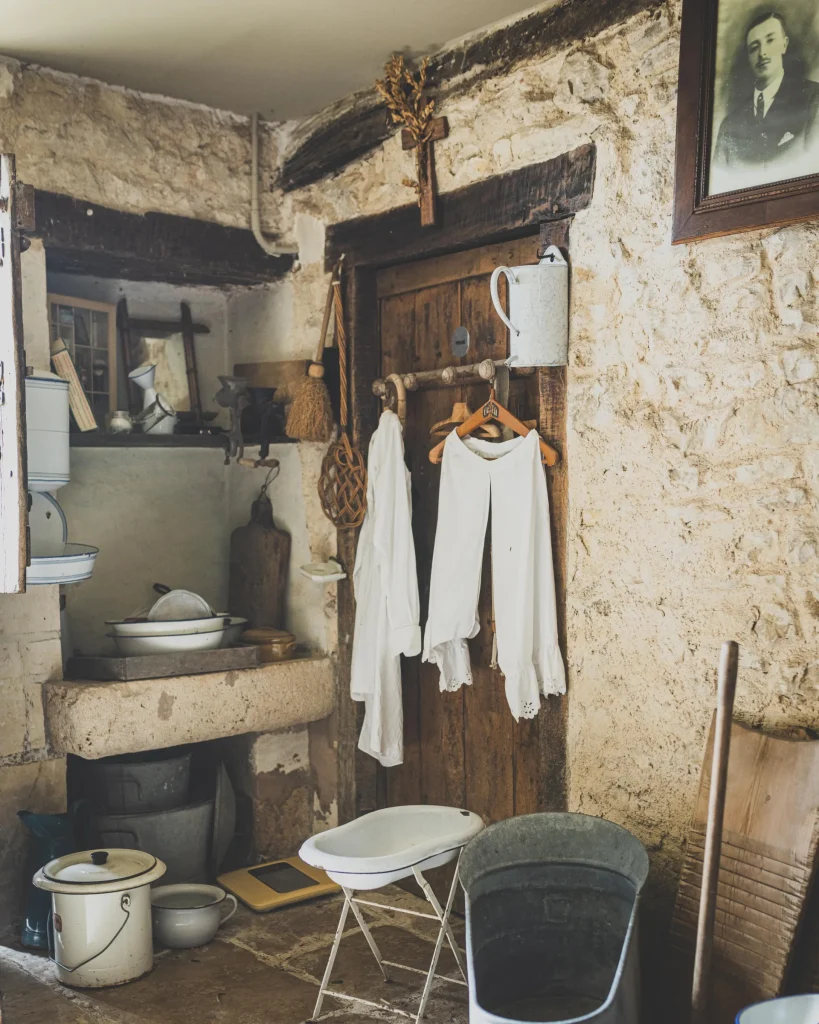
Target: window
88 331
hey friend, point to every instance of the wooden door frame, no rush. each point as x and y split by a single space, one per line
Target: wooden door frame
542 196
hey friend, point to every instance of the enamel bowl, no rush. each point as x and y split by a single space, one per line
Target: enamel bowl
75 563
185 916
173 628
174 644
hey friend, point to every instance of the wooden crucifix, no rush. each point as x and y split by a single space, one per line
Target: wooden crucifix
425 165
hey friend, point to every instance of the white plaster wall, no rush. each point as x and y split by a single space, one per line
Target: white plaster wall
157 517
310 606
261 328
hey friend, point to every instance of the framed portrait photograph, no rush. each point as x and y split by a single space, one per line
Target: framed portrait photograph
747 116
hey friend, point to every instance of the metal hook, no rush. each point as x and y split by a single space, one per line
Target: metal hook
397 382
272 473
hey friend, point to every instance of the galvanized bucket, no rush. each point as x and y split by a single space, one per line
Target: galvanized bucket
551 920
790 1010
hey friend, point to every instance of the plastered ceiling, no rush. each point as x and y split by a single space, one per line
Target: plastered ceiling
284 58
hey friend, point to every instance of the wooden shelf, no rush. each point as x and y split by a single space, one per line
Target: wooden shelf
99 439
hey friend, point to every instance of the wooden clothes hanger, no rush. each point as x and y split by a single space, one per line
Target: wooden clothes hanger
493 410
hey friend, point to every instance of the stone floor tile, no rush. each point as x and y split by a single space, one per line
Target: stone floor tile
356 972
215 984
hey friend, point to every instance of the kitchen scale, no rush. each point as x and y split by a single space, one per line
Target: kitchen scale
277 883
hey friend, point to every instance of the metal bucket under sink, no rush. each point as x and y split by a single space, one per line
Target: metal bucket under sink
157 780
180 837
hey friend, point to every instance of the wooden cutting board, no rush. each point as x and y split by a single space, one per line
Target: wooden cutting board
259 567
768 861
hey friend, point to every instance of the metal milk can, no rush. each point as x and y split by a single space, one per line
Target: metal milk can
538 318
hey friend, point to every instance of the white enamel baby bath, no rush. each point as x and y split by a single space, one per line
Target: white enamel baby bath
384 846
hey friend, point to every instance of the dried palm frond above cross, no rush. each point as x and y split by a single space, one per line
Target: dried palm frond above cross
403 90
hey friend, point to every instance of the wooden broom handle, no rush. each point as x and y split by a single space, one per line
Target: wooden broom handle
341 337
328 308
726 691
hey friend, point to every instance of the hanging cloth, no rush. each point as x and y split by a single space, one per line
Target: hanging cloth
509 476
386 590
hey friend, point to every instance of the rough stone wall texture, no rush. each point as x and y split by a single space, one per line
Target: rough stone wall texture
126 149
36 786
29 656
693 383
693 423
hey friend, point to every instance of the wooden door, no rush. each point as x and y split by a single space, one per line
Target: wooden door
464 748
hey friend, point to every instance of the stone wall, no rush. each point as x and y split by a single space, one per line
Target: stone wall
693 403
125 149
693 383
139 153
30 777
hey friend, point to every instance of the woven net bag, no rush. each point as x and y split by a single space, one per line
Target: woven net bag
342 486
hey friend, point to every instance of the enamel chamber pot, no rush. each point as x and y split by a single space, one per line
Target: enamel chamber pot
101 915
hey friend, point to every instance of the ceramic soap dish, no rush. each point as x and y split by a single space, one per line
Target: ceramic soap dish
323 572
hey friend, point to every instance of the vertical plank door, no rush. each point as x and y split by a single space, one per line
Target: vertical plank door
462 748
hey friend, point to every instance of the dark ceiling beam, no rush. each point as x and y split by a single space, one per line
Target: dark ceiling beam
492 209
345 131
85 238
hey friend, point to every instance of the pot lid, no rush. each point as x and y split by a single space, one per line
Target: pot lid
95 871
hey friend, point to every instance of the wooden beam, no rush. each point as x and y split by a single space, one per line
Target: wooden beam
163 328
326 143
503 206
85 238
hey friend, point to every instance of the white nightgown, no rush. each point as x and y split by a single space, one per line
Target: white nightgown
386 593
509 475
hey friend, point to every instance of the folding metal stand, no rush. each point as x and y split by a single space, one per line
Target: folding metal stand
352 902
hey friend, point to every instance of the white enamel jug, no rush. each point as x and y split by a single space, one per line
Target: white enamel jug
538 318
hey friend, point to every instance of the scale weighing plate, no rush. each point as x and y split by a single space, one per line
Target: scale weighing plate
277 883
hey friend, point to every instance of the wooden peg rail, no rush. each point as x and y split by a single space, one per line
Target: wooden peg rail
452 375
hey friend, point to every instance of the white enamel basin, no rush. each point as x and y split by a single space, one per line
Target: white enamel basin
384 846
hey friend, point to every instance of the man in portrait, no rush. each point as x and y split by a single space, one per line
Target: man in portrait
776 117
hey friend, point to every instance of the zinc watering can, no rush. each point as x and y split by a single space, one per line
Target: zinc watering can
538 319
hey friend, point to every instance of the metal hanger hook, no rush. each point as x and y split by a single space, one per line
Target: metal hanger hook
272 473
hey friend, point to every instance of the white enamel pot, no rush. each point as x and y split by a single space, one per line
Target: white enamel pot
188 915
101 915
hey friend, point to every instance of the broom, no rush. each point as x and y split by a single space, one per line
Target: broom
311 417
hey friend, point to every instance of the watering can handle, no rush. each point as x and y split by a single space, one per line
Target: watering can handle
493 290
